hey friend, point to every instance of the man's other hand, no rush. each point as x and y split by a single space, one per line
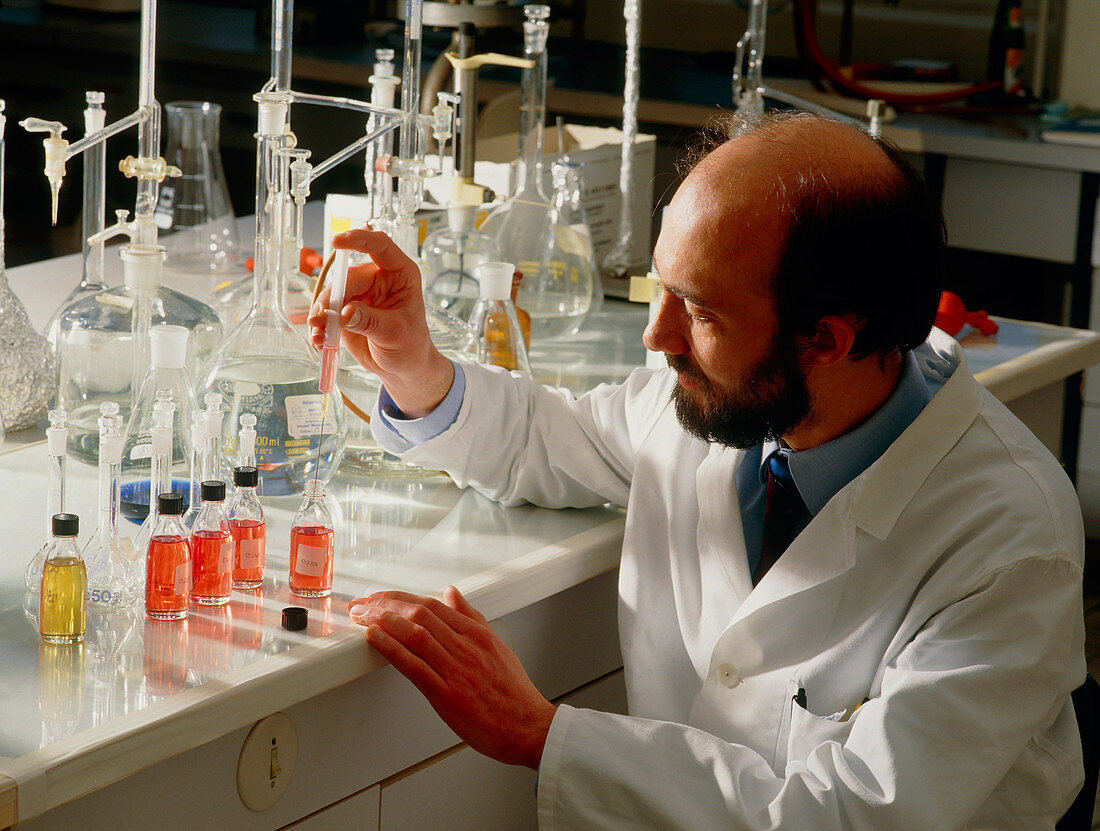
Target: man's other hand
473 681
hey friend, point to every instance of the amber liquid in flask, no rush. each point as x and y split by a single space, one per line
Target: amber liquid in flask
62 611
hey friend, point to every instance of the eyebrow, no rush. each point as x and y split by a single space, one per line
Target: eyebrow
689 296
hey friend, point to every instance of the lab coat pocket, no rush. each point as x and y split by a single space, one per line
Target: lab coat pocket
809 731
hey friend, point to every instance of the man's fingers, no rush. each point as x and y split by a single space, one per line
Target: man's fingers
453 598
429 612
427 640
423 676
378 245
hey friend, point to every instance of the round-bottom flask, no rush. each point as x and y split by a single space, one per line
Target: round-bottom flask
267 369
97 354
451 257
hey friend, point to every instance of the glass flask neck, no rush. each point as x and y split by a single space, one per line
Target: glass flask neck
109 498
198 476
568 185
212 517
532 117
169 525
63 548
273 227
312 511
55 502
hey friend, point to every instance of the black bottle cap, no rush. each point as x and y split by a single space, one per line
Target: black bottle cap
295 618
213 491
65 525
246 476
170 504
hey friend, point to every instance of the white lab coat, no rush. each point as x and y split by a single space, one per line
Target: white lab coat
943 585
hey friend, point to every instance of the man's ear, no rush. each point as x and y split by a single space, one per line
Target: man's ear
832 341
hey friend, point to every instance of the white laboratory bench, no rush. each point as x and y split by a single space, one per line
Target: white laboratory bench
146 721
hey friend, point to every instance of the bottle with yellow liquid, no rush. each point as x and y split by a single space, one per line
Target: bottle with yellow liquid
62 599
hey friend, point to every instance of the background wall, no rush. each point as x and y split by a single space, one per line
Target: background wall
956 31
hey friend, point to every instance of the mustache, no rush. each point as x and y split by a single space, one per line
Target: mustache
683 365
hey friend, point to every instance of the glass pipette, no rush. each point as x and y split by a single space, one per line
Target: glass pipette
330 351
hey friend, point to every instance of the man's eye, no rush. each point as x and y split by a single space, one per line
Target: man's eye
696 317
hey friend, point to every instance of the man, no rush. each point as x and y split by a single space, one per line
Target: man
904 662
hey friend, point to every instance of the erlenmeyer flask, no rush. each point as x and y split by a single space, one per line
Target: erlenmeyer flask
266 367
494 319
522 225
571 230
194 212
167 371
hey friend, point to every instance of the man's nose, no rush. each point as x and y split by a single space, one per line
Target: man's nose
664 333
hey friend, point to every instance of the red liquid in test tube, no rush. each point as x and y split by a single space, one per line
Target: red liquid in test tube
167 577
248 552
212 561
311 561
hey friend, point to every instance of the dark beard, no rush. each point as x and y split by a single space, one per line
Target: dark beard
771 401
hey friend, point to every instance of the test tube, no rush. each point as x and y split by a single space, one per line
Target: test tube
330 351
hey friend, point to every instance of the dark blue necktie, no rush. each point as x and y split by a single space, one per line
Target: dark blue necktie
783 509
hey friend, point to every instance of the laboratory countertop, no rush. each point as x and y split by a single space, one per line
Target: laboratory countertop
73 719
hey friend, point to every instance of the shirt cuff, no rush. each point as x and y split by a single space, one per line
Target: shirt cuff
410 432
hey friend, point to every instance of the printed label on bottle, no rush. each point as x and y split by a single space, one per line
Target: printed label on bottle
311 560
250 553
303 416
183 578
225 557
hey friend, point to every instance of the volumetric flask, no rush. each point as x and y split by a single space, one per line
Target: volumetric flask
523 225
193 211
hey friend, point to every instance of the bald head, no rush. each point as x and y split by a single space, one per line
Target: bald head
840 221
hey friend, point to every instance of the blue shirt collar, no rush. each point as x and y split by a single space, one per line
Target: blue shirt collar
820 472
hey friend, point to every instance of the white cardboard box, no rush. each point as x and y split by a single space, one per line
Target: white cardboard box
600 149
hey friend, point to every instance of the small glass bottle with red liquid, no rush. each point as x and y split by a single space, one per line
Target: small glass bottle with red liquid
311 544
168 562
212 548
246 524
